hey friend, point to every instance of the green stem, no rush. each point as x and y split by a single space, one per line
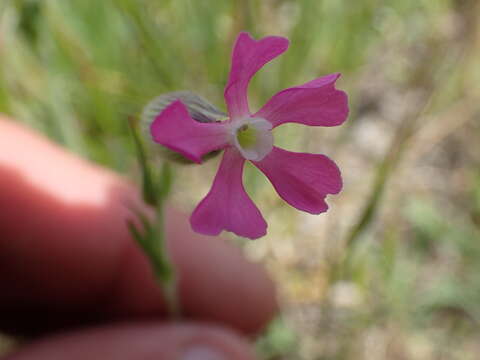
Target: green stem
165 270
151 237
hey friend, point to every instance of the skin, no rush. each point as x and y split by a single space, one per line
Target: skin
72 278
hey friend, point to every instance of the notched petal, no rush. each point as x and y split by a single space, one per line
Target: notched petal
248 56
227 206
303 180
315 103
175 129
199 109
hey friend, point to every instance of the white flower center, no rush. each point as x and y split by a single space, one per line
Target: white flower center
252 137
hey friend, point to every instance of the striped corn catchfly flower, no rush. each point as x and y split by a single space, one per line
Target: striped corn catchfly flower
190 126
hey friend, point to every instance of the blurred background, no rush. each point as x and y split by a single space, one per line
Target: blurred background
392 271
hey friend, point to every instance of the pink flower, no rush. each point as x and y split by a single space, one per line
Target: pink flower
303 180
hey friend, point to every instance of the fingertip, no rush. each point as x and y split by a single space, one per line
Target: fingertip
216 282
223 281
142 342
65 251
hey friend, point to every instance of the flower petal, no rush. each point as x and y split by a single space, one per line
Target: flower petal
248 57
302 180
175 129
227 205
315 103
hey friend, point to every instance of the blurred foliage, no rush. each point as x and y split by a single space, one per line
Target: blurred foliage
400 276
83 67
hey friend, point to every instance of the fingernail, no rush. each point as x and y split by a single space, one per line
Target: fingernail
202 352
